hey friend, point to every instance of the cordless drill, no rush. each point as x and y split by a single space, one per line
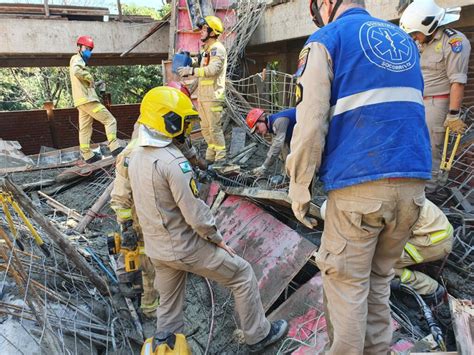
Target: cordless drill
131 254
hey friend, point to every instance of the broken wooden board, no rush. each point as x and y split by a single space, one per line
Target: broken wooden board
84 170
304 312
462 312
277 196
275 251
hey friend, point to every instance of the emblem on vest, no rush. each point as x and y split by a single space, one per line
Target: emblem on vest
386 46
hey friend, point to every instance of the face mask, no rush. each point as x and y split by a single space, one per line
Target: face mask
86 55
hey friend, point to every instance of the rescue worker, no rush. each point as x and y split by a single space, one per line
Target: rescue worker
444 63
122 203
281 125
88 103
211 87
431 239
360 123
178 228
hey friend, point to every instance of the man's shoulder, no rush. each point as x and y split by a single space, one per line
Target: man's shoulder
217 48
454 40
77 59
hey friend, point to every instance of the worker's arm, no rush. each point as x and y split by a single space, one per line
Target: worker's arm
279 127
121 195
456 95
216 63
184 190
80 71
312 120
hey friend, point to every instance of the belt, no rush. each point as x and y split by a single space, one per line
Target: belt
445 96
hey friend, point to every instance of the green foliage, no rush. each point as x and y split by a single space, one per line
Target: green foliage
132 9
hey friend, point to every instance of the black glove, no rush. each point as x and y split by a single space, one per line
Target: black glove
129 236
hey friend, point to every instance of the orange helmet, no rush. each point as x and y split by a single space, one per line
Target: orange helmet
181 87
252 118
85 41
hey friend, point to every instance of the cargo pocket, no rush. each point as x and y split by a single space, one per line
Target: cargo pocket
356 217
331 258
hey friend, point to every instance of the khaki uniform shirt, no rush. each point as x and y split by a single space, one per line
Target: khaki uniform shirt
279 129
211 73
444 60
174 221
82 83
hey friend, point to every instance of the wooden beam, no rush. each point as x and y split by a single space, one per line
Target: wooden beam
60 207
90 215
462 312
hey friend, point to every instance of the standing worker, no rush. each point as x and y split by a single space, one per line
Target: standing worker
88 103
281 125
179 229
361 125
444 63
122 203
211 87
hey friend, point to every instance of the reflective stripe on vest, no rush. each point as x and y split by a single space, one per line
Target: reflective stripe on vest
413 252
406 274
217 109
206 82
439 236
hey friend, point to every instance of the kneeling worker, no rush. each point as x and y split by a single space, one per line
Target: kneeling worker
178 228
281 125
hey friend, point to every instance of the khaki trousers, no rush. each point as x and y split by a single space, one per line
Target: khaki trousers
210 113
366 228
87 114
422 283
436 110
215 264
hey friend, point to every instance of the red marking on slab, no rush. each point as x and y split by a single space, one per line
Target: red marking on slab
213 191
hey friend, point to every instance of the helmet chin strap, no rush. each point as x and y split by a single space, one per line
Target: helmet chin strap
334 10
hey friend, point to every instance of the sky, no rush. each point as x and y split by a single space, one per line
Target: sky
111 4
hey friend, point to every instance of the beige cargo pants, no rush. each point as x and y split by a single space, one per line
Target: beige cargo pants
215 264
87 114
436 110
366 228
210 113
422 283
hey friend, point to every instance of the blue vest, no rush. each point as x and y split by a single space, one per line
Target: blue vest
291 115
377 123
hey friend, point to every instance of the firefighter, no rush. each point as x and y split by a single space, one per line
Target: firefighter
444 63
431 239
281 125
211 87
122 203
88 103
179 229
360 124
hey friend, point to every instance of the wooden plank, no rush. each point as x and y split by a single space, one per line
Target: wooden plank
60 207
462 312
84 170
275 251
92 212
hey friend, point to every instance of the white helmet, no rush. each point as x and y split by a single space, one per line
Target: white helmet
426 16
323 210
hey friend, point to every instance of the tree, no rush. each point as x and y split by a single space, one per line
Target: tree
132 9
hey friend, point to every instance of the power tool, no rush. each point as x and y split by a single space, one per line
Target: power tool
131 256
166 344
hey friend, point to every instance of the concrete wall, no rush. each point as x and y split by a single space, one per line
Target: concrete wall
32 128
51 42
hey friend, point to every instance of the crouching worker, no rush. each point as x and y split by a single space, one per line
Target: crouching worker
431 240
280 125
178 228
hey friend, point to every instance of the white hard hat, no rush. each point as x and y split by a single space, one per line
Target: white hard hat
426 16
323 210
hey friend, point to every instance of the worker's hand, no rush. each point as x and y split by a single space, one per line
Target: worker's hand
202 163
185 71
258 171
300 210
129 236
455 124
227 248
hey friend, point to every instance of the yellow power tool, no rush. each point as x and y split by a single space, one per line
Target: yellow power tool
131 257
171 344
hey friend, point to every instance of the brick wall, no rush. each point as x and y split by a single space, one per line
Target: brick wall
32 128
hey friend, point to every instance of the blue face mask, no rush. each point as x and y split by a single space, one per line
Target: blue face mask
86 55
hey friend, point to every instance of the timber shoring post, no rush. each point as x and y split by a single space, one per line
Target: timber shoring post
67 248
96 207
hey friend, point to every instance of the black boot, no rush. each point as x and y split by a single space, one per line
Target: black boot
116 151
94 158
278 330
436 298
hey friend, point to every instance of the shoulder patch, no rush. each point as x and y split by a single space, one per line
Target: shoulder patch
126 162
302 60
449 32
213 52
456 44
185 167
194 188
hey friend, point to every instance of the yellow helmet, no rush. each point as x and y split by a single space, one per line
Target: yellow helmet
165 109
214 24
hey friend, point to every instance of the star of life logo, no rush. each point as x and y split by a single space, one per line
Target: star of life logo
386 46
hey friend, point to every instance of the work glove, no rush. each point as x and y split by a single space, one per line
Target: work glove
300 210
185 71
455 124
129 238
100 85
258 171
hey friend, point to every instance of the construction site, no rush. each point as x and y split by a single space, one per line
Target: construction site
59 288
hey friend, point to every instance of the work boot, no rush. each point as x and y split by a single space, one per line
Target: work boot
116 151
278 330
94 158
436 298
